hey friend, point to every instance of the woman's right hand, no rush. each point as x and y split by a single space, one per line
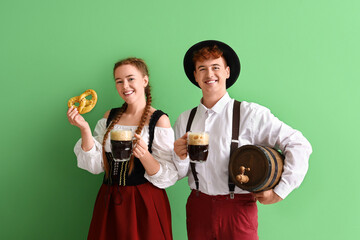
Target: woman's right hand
76 119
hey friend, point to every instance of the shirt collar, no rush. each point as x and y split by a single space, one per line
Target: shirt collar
218 107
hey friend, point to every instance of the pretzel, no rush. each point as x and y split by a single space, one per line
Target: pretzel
85 105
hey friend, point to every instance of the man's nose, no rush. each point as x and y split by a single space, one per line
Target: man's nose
209 73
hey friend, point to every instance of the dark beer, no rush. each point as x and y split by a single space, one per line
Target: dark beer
121 150
121 145
198 152
198 146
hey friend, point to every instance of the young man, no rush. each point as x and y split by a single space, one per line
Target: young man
213 213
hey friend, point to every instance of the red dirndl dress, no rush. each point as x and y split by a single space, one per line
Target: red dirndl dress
128 206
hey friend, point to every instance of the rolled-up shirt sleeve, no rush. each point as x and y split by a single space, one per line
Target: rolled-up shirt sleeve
270 131
92 160
162 150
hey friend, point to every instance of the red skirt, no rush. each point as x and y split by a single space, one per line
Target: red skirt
131 212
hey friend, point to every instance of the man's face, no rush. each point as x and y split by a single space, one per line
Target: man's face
211 75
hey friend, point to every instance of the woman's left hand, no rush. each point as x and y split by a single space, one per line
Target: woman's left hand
140 149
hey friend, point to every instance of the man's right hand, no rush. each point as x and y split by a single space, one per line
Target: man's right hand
180 147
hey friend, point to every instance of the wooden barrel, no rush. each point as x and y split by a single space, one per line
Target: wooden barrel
256 168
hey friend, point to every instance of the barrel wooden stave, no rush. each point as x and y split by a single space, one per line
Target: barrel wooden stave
265 165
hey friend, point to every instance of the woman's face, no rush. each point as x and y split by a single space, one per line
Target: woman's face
130 83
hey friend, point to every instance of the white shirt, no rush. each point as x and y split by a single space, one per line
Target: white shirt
162 150
258 126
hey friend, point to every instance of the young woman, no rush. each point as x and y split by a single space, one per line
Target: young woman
132 202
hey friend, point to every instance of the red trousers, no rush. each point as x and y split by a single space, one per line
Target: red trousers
219 217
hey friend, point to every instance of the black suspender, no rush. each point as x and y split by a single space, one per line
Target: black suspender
234 142
192 165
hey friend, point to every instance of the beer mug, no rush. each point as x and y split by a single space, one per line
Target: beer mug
198 146
121 142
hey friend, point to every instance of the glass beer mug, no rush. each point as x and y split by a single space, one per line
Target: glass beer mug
121 142
198 146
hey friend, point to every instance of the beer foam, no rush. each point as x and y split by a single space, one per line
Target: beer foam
121 135
198 138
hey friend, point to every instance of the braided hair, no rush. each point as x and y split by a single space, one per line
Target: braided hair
142 67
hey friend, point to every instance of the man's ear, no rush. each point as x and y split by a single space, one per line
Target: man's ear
227 69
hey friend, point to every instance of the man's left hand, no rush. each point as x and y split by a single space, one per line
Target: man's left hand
267 197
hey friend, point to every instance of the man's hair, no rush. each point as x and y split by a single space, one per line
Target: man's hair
205 53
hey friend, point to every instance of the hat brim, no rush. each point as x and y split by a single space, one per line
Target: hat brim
229 54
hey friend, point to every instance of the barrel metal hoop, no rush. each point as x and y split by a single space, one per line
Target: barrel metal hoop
276 166
269 172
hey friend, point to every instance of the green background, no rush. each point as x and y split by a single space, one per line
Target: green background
299 58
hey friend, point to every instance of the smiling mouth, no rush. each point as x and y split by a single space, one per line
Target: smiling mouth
127 93
210 81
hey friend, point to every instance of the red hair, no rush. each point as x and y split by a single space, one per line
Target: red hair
209 52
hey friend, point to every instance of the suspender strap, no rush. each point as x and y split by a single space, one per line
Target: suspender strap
235 127
234 139
192 165
191 118
193 170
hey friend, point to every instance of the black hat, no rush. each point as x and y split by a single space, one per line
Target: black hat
229 54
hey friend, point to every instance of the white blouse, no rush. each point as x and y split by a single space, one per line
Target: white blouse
162 150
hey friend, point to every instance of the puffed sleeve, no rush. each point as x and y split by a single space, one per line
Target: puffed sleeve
162 150
296 148
92 160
